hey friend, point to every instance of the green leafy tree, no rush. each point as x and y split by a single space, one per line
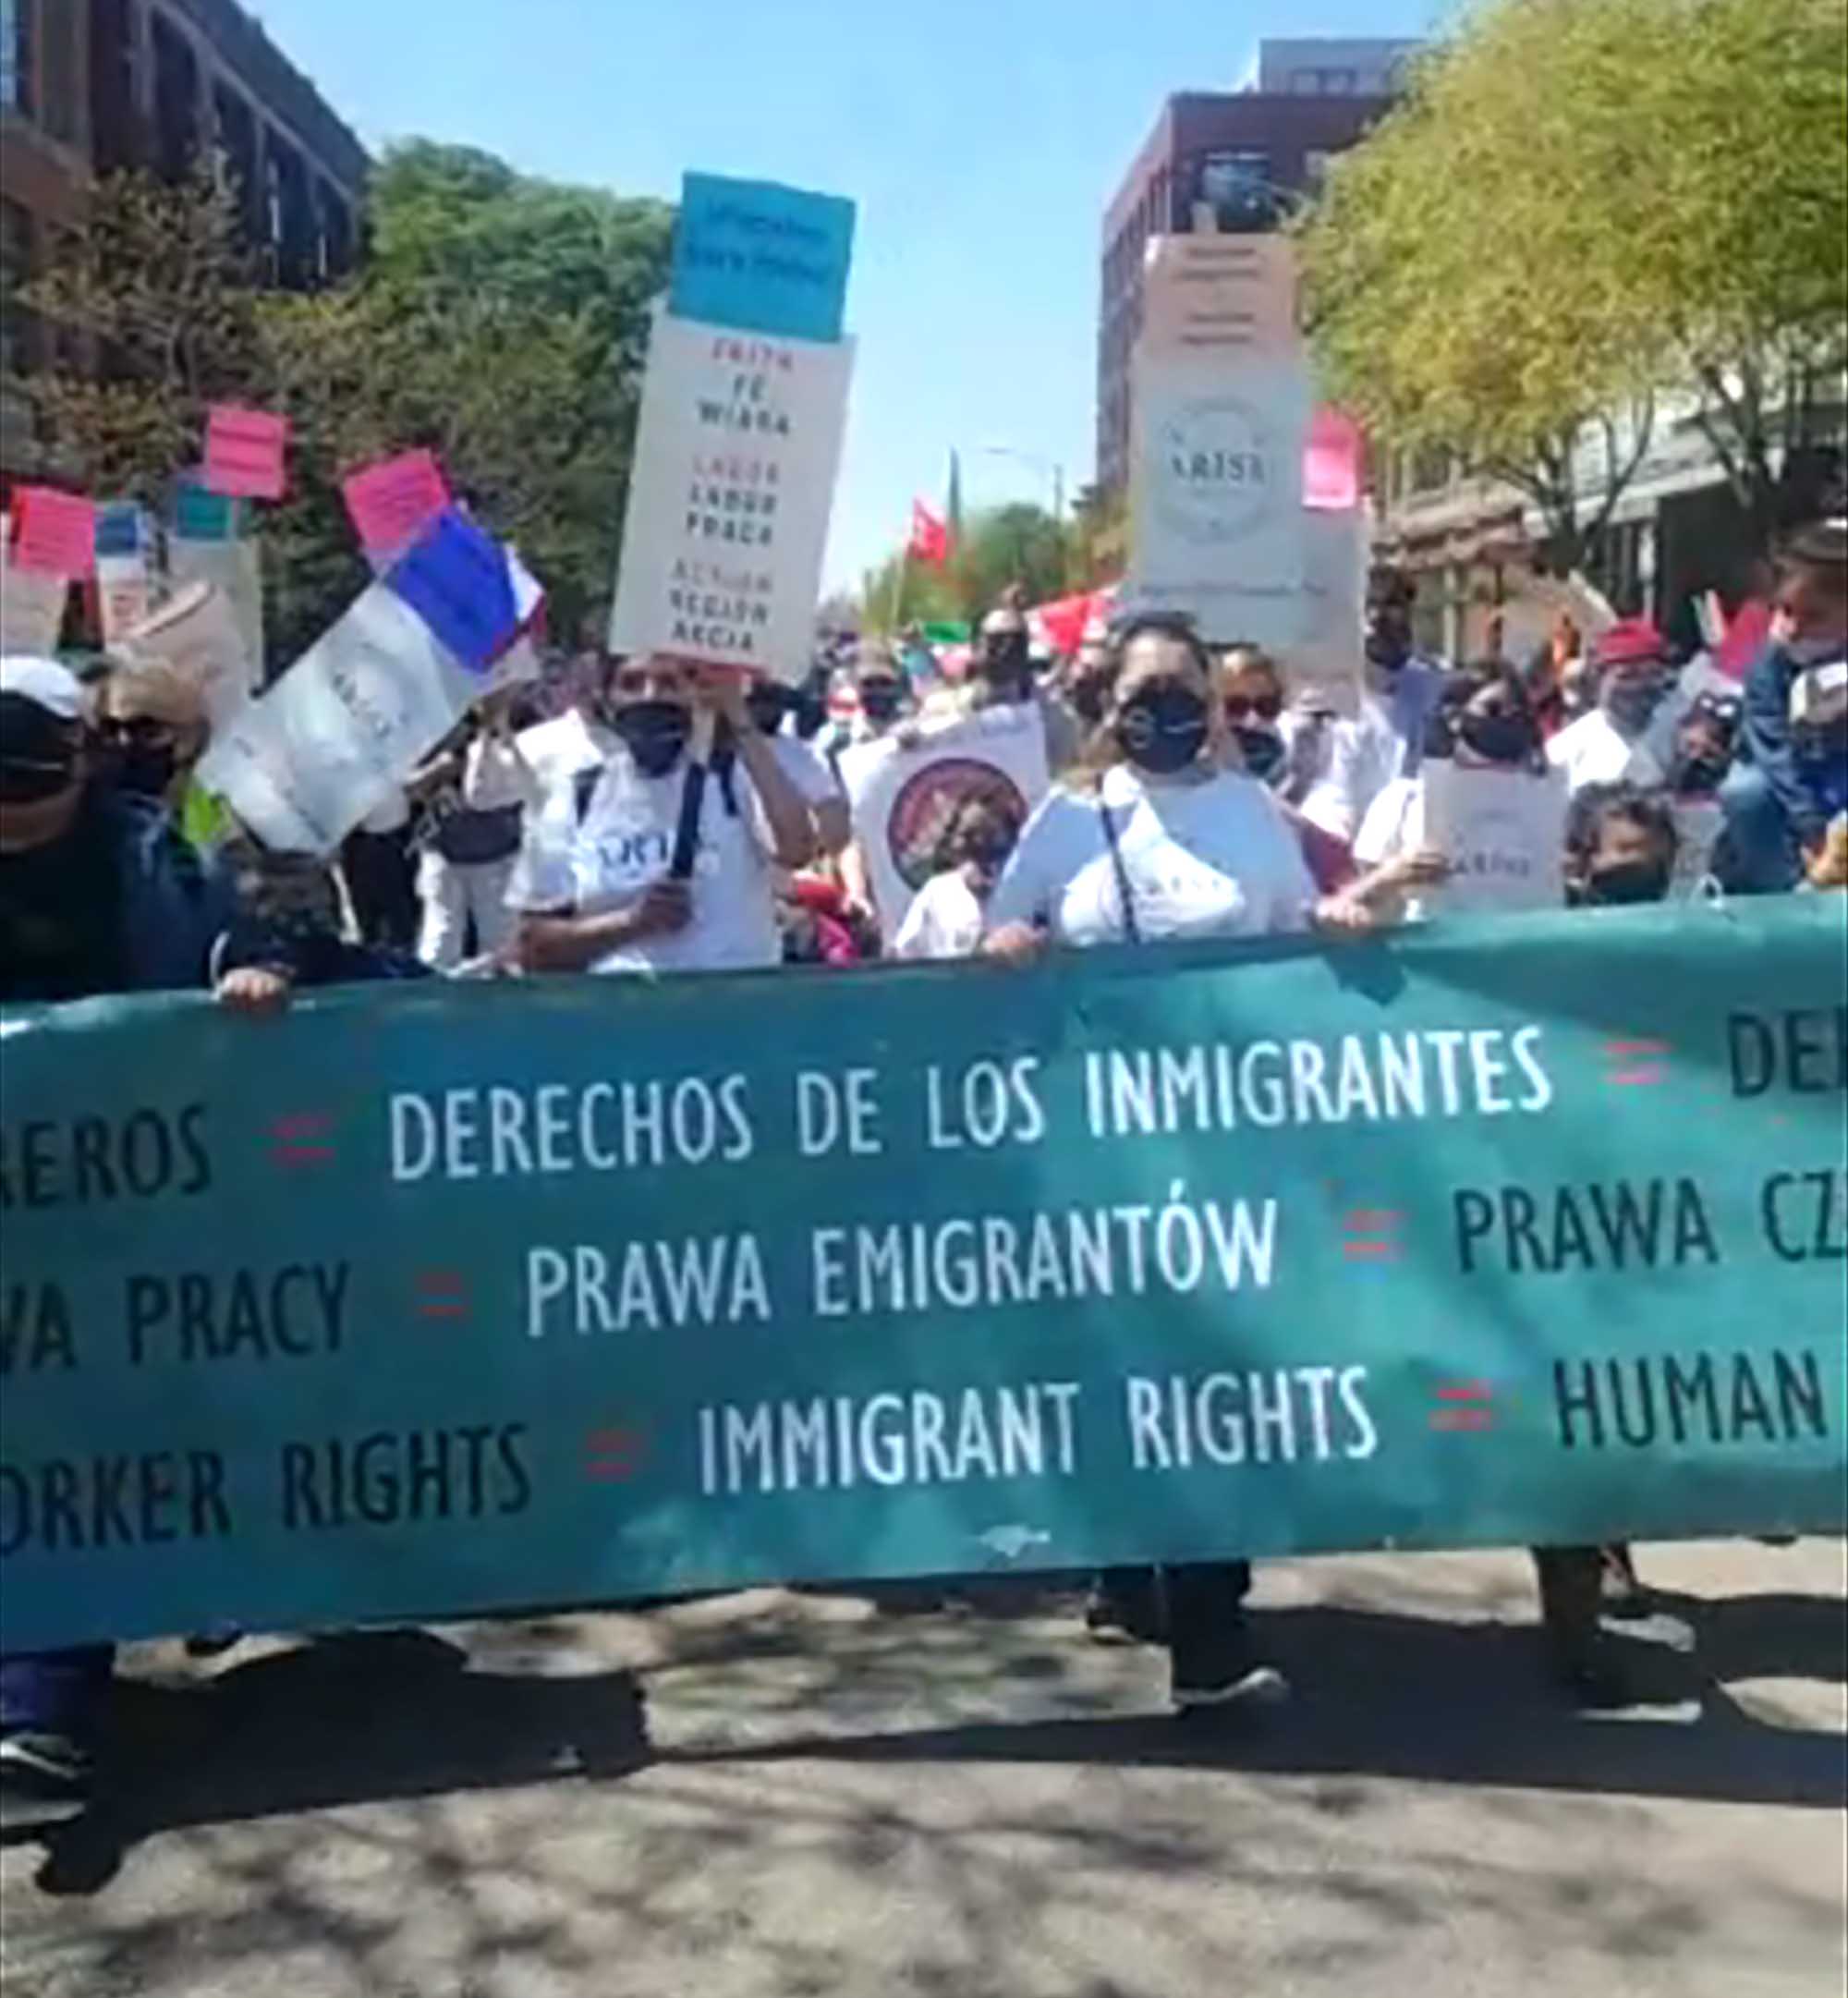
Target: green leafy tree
999 546
151 308
1582 209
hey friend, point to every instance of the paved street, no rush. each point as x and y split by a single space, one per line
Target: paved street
974 1802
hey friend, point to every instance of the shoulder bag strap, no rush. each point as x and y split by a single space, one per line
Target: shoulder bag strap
1131 929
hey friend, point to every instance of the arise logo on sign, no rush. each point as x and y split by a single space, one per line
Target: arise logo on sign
1216 469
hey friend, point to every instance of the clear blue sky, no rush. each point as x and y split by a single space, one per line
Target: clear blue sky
980 139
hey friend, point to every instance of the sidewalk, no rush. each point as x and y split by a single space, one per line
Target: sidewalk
973 1801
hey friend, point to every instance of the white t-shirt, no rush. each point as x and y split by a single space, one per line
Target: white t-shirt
808 770
945 920
1590 750
1212 858
494 776
556 750
1394 824
623 843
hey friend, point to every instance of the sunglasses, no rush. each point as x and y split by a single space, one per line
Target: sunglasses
1266 707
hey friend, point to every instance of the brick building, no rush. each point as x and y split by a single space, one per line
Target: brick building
92 86
1228 161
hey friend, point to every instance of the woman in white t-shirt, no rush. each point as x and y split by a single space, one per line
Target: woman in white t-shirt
1484 721
595 886
1169 838
947 914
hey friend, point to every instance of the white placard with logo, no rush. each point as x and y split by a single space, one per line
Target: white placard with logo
903 797
302 765
1216 521
1503 832
729 498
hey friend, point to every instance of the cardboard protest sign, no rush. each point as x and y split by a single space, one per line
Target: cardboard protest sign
729 497
197 631
31 602
245 452
761 257
1534 605
234 570
305 762
53 532
1227 296
1322 655
1216 499
202 515
393 501
444 1302
1503 832
903 798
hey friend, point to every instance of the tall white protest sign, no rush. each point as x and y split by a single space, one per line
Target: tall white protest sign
1222 402
1503 834
729 498
904 795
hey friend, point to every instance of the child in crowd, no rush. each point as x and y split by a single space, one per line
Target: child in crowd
947 916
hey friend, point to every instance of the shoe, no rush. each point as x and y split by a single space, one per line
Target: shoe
1223 1673
1592 1675
44 1779
1122 1611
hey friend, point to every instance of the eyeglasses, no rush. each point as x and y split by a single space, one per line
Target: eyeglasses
1266 707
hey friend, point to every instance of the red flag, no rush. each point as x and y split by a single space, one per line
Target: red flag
930 538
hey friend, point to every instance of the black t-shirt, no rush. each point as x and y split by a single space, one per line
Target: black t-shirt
60 916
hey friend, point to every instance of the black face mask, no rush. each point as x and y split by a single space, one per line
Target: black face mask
1497 738
1626 881
145 770
1090 695
879 702
1694 776
1261 748
655 733
766 706
1163 729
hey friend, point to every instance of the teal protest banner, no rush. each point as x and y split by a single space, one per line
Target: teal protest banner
438 1299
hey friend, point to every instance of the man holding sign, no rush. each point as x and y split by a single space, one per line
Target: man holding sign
639 864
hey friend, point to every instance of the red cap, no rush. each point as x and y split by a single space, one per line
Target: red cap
1630 641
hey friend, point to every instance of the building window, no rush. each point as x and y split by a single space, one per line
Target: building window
1316 166
16 56
1324 82
60 110
1236 185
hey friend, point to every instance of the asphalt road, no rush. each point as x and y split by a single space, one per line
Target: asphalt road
968 1800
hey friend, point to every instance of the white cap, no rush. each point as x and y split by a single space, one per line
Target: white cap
1820 696
44 683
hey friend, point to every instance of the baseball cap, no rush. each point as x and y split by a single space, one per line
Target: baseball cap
1630 641
41 704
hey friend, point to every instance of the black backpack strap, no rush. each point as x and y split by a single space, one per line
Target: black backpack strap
584 788
1131 929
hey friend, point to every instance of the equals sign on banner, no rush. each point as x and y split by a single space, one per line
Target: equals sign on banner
441 1294
613 1456
1371 1234
1464 1404
1633 1064
301 1141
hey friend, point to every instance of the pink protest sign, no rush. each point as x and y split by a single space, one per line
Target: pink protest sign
53 532
244 453
391 502
1332 462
